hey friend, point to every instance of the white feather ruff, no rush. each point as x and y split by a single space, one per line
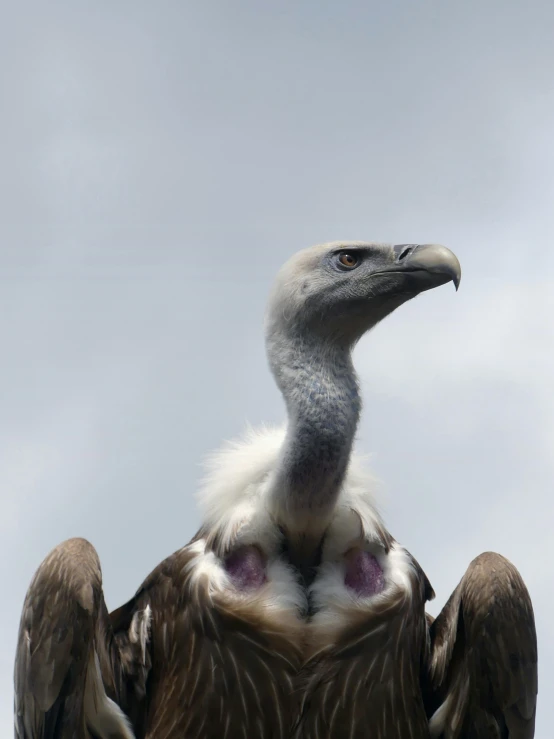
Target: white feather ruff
234 501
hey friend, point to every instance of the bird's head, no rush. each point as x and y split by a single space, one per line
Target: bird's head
338 291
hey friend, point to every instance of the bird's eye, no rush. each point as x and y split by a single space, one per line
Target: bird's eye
348 259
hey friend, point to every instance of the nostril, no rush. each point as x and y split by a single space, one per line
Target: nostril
403 251
404 254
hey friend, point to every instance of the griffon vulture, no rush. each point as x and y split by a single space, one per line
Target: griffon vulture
292 612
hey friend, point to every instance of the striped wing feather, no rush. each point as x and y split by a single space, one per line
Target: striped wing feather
71 674
55 637
483 668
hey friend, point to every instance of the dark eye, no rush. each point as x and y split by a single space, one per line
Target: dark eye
348 259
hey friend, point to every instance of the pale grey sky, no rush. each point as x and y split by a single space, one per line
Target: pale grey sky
161 160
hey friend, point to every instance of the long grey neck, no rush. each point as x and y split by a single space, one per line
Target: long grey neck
319 385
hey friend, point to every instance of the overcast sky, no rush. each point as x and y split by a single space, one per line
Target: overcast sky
159 163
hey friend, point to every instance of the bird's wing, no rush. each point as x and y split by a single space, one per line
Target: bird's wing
60 663
483 665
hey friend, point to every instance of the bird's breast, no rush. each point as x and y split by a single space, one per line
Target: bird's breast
245 656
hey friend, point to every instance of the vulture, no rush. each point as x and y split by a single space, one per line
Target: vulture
293 612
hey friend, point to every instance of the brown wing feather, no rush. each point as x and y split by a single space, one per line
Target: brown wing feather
54 637
66 653
483 669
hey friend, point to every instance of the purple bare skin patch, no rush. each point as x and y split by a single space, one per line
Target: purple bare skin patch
363 573
246 568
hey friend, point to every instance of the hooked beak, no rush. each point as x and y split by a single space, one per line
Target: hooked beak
427 265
